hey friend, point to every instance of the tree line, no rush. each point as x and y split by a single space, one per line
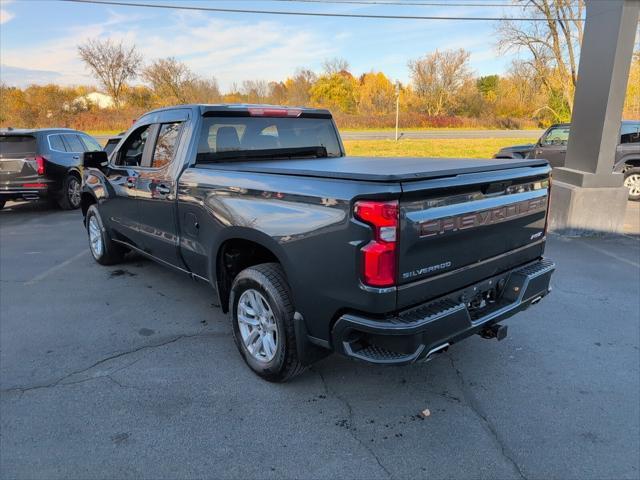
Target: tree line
536 90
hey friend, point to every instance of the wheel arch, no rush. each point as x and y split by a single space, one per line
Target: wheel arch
630 162
238 249
87 199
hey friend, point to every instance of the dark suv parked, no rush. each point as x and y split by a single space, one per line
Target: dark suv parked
552 146
43 163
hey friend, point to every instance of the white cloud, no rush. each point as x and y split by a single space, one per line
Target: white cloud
5 16
231 51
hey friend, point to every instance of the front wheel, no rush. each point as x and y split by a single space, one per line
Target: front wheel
632 182
104 250
70 196
262 320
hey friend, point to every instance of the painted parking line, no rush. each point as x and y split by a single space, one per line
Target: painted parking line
612 255
55 268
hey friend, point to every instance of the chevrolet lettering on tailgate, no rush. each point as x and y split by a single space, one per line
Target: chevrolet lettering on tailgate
440 226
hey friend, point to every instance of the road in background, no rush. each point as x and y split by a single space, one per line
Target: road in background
129 371
437 134
418 134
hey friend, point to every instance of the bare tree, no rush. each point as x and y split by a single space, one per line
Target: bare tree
438 76
204 90
298 87
257 91
553 45
335 65
112 63
170 79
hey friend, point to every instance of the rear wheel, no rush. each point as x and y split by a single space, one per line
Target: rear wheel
632 182
70 196
262 319
104 250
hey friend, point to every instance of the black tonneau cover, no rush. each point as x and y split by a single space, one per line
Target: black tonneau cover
376 169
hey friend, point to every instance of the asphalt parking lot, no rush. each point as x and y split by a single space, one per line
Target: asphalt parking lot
130 372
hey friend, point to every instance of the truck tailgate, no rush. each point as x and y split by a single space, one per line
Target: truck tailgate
458 230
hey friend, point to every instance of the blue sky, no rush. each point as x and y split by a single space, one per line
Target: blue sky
38 38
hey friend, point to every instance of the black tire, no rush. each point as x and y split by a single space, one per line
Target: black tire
69 198
2 204
110 253
633 173
269 280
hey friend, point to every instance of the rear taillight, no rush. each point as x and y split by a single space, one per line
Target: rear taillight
379 259
40 164
546 218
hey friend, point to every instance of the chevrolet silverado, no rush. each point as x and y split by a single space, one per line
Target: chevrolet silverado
309 251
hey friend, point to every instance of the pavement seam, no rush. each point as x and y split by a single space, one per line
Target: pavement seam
61 381
328 391
475 407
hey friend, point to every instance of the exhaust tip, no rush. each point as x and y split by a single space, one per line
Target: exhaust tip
435 351
536 300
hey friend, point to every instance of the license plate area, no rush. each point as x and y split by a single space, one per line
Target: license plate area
485 297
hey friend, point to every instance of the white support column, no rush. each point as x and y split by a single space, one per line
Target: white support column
587 196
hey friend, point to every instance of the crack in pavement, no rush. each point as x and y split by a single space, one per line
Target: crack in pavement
475 407
328 391
62 380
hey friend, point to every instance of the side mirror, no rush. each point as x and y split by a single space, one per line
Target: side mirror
97 159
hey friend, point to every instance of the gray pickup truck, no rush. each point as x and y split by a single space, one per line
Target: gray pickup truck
386 260
552 146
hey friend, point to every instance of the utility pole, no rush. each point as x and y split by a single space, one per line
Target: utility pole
397 108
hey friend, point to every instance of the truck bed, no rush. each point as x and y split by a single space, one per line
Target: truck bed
375 169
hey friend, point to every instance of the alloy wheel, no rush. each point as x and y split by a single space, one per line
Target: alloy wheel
73 192
95 237
632 182
257 324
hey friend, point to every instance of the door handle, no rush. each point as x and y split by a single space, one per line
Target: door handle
76 157
163 189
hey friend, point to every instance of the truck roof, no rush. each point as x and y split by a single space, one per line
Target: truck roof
240 107
377 169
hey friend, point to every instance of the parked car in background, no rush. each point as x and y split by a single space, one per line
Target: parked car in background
552 146
43 163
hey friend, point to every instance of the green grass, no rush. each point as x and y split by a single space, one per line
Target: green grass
465 147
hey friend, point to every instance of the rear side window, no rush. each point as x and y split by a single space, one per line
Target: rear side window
56 143
90 145
166 145
12 146
73 143
630 133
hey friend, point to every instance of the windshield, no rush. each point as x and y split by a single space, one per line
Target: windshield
226 138
17 146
